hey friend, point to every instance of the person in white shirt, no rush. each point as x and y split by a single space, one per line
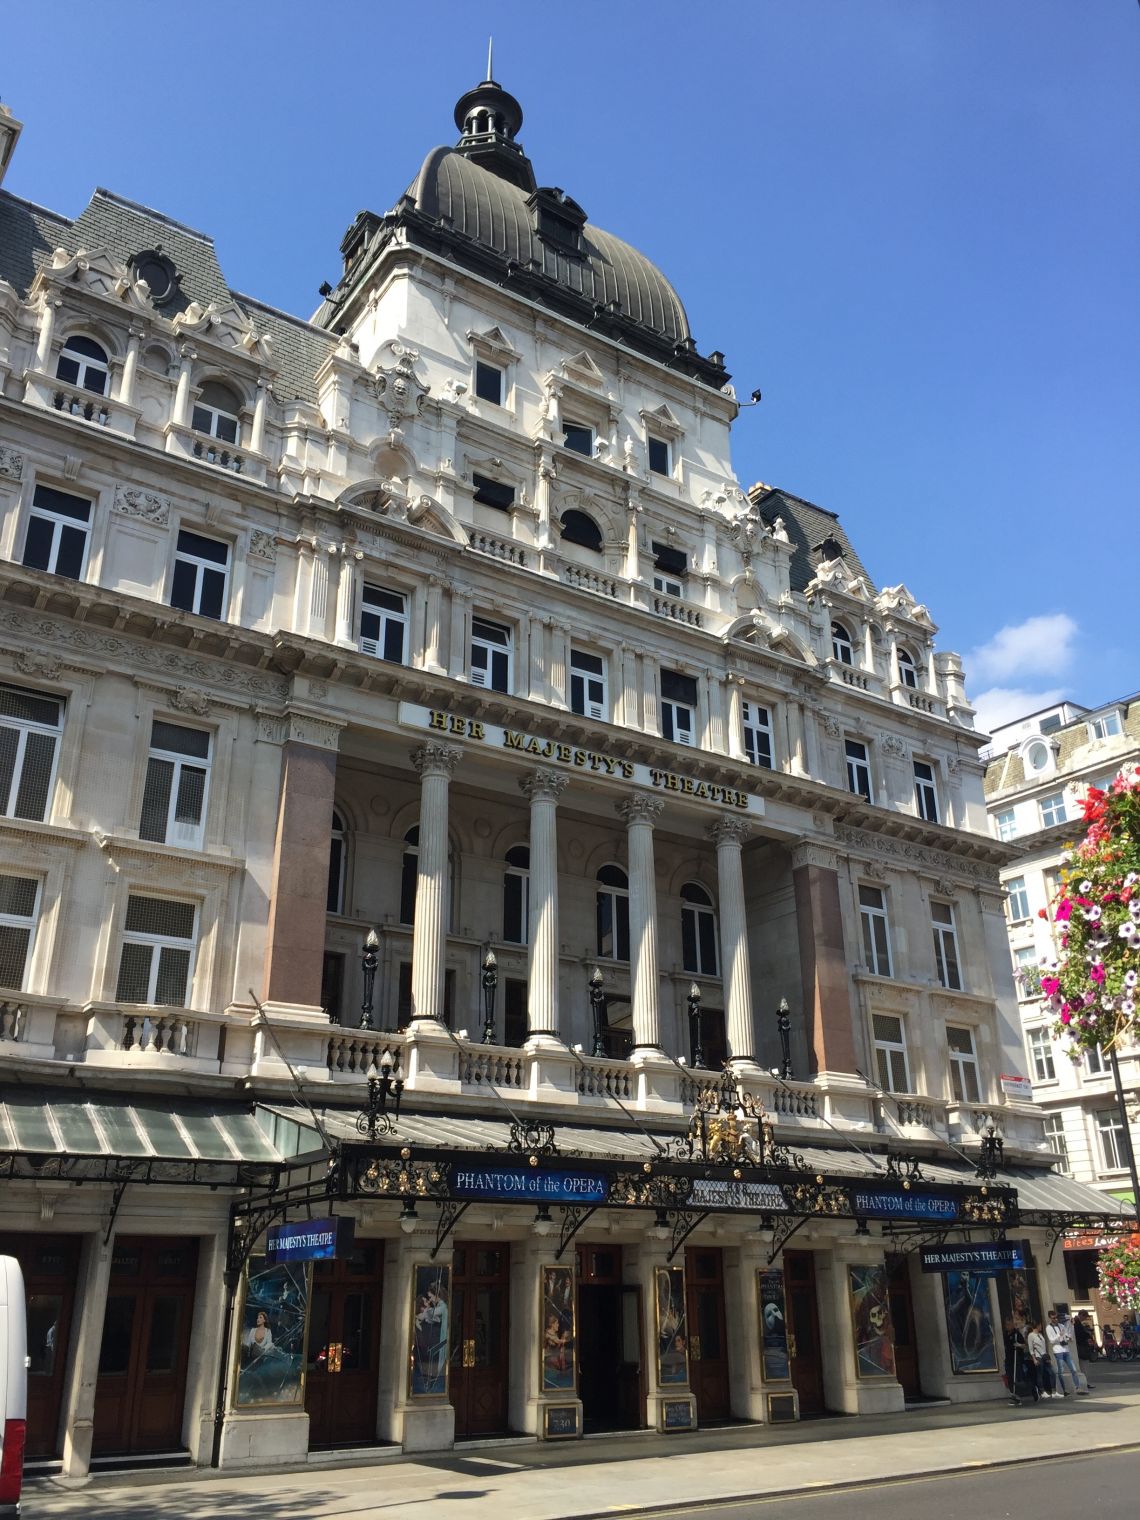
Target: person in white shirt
1059 1336
1042 1363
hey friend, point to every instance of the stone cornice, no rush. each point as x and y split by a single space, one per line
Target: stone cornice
909 855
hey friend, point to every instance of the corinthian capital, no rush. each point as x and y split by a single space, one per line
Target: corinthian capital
542 785
729 831
436 759
640 807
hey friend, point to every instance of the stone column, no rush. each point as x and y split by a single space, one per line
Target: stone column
457 645
640 812
543 788
130 367
47 332
257 430
797 741
629 715
729 834
435 763
181 416
537 689
83 1359
558 662
823 959
433 613
735 736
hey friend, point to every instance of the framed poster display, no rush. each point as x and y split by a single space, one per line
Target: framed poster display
969 1322
271 1335
558 1331
672 1331
431 1325
773 1324
871 1321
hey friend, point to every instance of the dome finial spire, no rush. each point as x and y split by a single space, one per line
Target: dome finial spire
490 46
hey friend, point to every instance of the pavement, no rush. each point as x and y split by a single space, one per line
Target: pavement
624 1475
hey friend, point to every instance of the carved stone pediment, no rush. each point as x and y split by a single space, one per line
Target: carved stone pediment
97 272
581 368
223 323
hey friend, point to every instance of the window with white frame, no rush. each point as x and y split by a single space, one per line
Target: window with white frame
1026 981
670 567
858 768
1053 810
383 623
1113 1147
30 726
1095 1064
216 412
1055 1138
83 362
612 908
1039 1044
1038 756
19 907
516 896
698 930
177 776
201 574
157 957
334 898
1107 726
908 671
660 455
876 932
945 945
59 527
841 646
588 686
1006 824
756 723
1018 899
963 1064
890 1052
490 382
925 791
578 437
678 707
491 648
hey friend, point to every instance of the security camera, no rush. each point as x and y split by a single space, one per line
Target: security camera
756 395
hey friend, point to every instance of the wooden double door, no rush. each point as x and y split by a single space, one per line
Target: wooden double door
342 1372
611 1375
902 1325
141 1389
804 1349
708 1341
50 1265
479 1370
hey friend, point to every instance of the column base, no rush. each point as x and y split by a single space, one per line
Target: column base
658 1079
432 1057
257 1438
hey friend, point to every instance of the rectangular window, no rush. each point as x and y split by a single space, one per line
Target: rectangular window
1025 969
963 1064
490 655
493 493
19 904
1040 1047
1053 810
174 797
858 769
670 567
579 437
876 937
489 382
1107 726
516 906
1018 899
678 707
59 525
514 1012
890 1053
660 456
945 946
925 791
201 570
30 724
158 951
1006 825
1111 1132
588 695
756 722
1095 1064
1055 1138
383 623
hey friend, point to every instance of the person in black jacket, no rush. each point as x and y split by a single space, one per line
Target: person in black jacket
1016 1352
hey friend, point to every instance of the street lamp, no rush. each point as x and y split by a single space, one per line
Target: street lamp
369 960
490 982
695 1050
784 1027
990 1150
598 1009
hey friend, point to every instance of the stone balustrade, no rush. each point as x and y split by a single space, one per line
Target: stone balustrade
134 1036
503 549
354 1054
492 1066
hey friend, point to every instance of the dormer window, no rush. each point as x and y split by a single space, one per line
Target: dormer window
841 646
558 220
579 437
83 363
1107 726
216 412
908 674
1038 756
489 382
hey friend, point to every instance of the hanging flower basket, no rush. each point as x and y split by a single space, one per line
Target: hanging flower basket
1092 987
1119 1270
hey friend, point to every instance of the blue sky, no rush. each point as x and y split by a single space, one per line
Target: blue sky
913 224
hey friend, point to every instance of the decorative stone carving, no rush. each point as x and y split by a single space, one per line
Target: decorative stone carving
150 506
810 853
305 729
873 869
944 888
831 726
918 855
542 784
454 389
46 666
187 700
729 831
891 744
482 828
400 392
432 759
262 545
11 462
640 807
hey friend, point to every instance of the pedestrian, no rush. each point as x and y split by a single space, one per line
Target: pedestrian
1015 1357
1085 1337
1042 1362
1060 1340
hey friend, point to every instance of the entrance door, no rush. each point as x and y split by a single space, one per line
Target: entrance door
708 1343
803 1342
51 1269
480 1326
610 1382
902 1321
141 1390
344 1348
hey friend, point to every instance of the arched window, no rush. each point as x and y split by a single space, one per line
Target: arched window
841 646
337 861
516 895
216 412
579 528
908 672
613 913
83 363
698 930
409 874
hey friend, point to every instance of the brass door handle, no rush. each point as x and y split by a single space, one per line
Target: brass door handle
694 1348
469 1353
791 1345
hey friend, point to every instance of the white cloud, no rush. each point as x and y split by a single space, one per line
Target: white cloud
1003 704
1040 646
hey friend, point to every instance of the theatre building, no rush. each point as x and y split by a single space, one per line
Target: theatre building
498 927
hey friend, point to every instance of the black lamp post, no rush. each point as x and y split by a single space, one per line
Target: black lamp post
490 982
369 960
784 1026
696 1051
598 1009
990 1151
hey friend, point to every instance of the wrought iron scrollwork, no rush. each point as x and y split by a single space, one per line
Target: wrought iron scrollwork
906 1168
730 1127
574 1216
376 1120
528 1139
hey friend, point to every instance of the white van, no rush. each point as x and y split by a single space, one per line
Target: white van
13 1384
